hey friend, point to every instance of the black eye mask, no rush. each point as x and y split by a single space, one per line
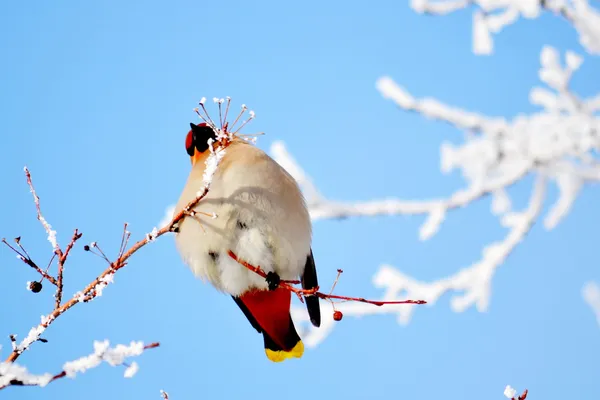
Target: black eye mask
198 138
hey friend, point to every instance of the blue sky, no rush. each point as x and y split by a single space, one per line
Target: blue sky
96 101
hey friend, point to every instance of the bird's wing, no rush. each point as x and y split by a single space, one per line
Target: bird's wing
310 281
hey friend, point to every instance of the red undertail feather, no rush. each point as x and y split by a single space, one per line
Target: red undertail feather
271 311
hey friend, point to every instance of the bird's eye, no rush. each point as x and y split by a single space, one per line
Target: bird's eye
200 135
189 143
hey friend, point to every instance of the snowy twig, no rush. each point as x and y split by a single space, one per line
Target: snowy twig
47 227
557 144
12 374
96 287
511 393
492 16
474 281
164 395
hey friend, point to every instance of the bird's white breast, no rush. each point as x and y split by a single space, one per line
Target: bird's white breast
260 216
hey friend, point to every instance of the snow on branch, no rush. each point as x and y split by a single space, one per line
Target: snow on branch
97 286
511 393
591 295
12 374
556 144
473 282
559 141
492 16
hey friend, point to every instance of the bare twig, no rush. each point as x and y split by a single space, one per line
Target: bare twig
61 266
25 258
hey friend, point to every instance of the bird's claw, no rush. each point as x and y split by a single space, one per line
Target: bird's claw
273 280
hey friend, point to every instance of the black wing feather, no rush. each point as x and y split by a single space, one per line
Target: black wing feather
309 280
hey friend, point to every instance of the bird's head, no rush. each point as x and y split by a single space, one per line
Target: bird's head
196 141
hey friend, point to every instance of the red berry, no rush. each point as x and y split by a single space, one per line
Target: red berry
337 315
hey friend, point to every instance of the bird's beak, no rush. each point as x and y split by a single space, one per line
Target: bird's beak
196 157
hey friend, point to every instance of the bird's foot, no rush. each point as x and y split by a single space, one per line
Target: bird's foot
273 280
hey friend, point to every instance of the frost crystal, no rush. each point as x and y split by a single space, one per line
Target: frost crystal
509 392
102 352
10 371
211 166
131 370
79 296
491 16
151 237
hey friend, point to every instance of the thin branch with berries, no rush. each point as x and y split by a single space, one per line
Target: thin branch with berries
301 293
95 288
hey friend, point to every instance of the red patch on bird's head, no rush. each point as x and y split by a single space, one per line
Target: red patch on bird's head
189 140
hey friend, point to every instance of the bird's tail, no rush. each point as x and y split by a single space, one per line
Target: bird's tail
277 353
269 312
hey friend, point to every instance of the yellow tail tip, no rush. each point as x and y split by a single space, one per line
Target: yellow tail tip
281 355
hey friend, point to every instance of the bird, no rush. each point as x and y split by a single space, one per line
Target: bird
255 209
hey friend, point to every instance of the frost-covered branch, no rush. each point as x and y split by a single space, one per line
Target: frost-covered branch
473 282
591 295
491 17
12 374
556 144
96 287
511 393
559 141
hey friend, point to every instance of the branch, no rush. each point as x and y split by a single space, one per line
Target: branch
288 285
496 155
12 374
62 259
511 393
492 16
474 282
95 288
47 227
23 256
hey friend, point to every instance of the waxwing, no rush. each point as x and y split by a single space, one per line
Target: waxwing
259 213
